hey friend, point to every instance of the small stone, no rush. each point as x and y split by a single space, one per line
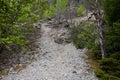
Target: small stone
67 26
74 72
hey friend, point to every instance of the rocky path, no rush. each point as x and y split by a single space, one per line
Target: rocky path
56 61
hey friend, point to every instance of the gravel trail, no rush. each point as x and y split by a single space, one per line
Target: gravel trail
56 61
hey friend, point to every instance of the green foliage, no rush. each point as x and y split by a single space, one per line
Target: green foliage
61 4
81 10
97 53
103 76
110 66
112 10
50 12
99 73
107 66
84 36
75 32
116 56
112 37
57 7
16 19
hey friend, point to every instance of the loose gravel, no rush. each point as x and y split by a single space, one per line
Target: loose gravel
55 61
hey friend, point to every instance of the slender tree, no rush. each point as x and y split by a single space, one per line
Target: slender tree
94 6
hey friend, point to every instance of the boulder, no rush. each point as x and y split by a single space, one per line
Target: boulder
59 40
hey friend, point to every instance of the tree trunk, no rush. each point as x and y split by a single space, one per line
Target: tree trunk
95 7
101 39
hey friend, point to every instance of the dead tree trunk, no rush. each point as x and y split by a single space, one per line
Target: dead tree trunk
95 6
101 38
99 17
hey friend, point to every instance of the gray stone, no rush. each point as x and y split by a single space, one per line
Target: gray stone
59 40
60 66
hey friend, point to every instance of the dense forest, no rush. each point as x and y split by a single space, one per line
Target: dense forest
101 36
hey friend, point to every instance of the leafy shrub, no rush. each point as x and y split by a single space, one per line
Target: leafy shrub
112 10
81 10
99 73
84 36
50 12
111 66
79 42
116 56
103 76
16 19
97 53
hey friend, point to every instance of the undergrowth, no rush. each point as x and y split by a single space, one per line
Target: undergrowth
85 35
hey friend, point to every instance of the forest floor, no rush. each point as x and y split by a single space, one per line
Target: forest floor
56 60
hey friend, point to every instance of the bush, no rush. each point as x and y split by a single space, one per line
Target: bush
116 56
16 19
111 66
99 73
103 76
112 10
84 35
97 53
81 10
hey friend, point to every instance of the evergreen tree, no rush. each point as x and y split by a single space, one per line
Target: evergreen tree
16 19
111 64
